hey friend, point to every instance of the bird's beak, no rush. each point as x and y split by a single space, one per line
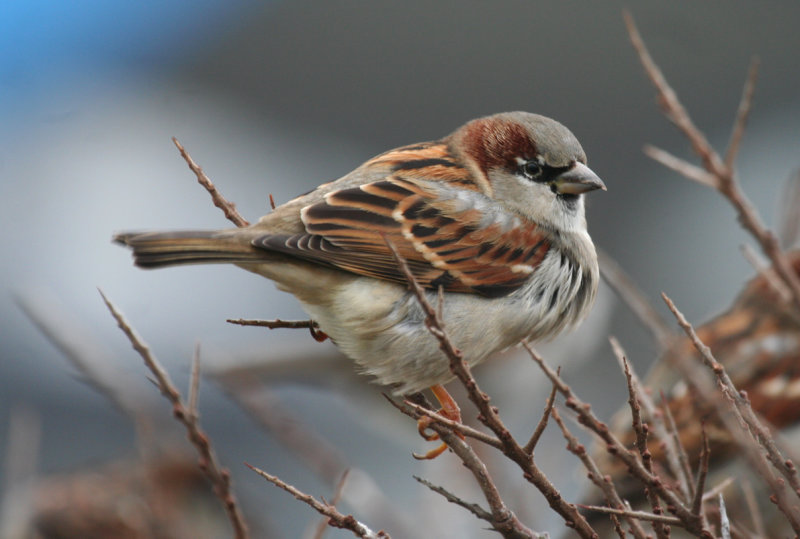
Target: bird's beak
578 179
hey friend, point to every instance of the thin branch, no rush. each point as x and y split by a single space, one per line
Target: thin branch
752 506
228 208
537 433
746 418
724 521
194 384
742 114
335 518
615 447
602 481
337 496
702 473
473 508
635 299
638 515
683 469
416 411
767 272
722 175
209 464
681 166
640 429
310 325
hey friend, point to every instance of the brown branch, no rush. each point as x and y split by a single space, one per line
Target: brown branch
227 207
335 518
209 464
473 508
742 114
757 433
602 481
702 473
310 325
640 429
337 496
682 167
194 385
416 411
616 448
752 506
635 299
683 471
672 445
722 176
638 515
503 520
537 433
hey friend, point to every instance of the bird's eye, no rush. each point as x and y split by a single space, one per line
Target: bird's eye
532 169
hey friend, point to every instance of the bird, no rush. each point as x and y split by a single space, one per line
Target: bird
492 215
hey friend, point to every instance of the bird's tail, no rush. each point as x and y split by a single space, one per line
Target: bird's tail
160 249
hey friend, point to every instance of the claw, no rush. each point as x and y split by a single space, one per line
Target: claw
450 410
432 454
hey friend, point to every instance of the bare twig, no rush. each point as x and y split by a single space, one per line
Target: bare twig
683 469
638 515
417 411
702 473
724 521
671 444
742 114
789 212
229 208
720 173
194 384
767 272
503 520
337 496
746 418
310 325
537 433
752 506
640 429
602 481
635 299
680 166
587 418
209 464
473 508
335 518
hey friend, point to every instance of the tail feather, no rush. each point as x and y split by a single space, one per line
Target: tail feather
160 249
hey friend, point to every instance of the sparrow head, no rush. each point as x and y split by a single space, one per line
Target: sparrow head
532 164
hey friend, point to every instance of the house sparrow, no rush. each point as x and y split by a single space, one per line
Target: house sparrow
492 214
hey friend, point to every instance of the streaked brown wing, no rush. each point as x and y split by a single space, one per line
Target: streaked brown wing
452 237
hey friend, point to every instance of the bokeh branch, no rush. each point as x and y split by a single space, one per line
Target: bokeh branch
717 172
220 477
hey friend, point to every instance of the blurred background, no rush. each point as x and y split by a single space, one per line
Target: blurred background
277 97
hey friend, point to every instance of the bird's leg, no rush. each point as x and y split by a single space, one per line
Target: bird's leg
449 409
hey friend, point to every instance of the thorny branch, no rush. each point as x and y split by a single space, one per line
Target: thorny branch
209 464
597 477
716 172
756 435
335 518
229 208
693 523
